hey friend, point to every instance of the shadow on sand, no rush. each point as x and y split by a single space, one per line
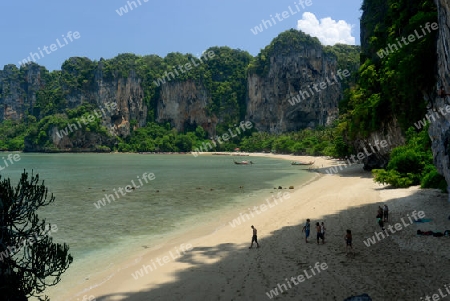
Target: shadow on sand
403 266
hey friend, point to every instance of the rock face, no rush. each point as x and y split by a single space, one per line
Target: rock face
379 156
127 93
286 100
18 92
183 104
301 89
391 131
439 129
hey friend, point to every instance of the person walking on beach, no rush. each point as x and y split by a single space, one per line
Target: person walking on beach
323 232
385 213
319 233
380 221
348 241
306 229
380 211
254 237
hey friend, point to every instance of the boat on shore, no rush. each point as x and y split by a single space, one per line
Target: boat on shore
302 163
243 162
230 154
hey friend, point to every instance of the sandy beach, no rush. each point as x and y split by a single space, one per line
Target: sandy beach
214 262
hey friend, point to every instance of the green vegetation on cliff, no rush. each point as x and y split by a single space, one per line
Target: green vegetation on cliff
411 164
287 43
223 75
393 86
394 79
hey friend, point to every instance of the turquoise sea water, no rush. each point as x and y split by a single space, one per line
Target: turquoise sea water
186 191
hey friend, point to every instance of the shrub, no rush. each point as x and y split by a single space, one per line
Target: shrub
434 180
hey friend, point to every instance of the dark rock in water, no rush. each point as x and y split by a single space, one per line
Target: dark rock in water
291 187
279 187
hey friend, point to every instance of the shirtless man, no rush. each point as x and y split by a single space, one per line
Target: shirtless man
254 237
319 233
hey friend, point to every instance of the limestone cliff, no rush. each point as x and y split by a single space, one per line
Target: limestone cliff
269 95
127 93
391 133
375 13
439 129
299 87
18 90
184 105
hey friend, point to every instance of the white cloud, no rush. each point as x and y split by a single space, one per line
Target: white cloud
328 31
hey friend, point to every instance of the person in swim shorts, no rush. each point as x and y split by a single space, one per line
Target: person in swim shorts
306 229
348 241
254 237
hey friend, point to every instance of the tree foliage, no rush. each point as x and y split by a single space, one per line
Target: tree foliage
393 86
411 164
30 260
221 71
289 42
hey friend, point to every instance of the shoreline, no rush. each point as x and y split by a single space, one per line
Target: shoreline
222 265
223 216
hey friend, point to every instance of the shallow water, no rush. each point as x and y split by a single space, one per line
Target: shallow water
185 191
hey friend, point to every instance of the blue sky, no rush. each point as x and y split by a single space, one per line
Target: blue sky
160 27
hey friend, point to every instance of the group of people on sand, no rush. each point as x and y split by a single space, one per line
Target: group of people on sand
320 231
320 234
382 216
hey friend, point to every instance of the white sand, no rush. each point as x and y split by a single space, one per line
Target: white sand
220 266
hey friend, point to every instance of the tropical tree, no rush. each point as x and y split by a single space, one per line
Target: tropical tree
29 260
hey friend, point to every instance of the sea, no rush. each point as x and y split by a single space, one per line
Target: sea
184 192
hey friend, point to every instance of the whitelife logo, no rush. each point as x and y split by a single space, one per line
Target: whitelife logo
207 146
323 85
360 156
284 15
91 118
300 278
53 47
433 115
11 158
245 217
205 56
380 235
165 259
109 197
124 9
411 38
